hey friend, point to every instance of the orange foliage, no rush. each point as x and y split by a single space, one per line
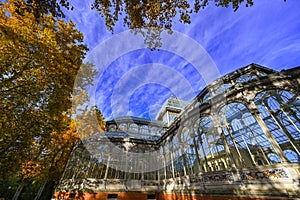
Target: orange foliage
54 154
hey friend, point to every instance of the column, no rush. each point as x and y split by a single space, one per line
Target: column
205 159
226 146
165 166
197 153
220 131
107 167
126 164
250 153
172 163
259 146
183 160
201 143
283 110
241 161
142 168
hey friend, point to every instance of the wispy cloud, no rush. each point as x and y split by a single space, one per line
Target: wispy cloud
235 39
267 33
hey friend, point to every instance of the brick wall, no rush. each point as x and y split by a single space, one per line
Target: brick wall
144 196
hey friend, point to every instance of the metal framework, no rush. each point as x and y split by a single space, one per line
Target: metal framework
240 133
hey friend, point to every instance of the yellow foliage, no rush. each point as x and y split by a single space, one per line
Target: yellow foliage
39 61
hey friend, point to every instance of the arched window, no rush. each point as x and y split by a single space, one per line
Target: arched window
112 127
245 137
210 146
144 129
133 128
205 126
123 127
188 150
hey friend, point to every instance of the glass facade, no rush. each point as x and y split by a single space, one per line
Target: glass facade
252 130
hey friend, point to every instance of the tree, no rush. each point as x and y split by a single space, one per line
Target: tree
48 166
39 61
154 16
138 13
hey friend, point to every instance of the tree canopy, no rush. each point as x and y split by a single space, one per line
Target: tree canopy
146 16
40 57
155 14
138 13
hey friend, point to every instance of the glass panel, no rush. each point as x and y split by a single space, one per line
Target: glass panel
144 129
273 158
133 128
207 97
291 155
279 110
222 88
245 78
244 136
123 127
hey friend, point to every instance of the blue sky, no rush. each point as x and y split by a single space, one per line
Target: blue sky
137 81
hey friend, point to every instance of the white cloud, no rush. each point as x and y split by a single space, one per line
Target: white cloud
267 33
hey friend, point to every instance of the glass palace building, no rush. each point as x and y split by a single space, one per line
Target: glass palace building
239 138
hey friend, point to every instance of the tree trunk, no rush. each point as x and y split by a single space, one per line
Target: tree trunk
19 190
41 189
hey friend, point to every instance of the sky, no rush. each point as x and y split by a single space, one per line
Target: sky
133 80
